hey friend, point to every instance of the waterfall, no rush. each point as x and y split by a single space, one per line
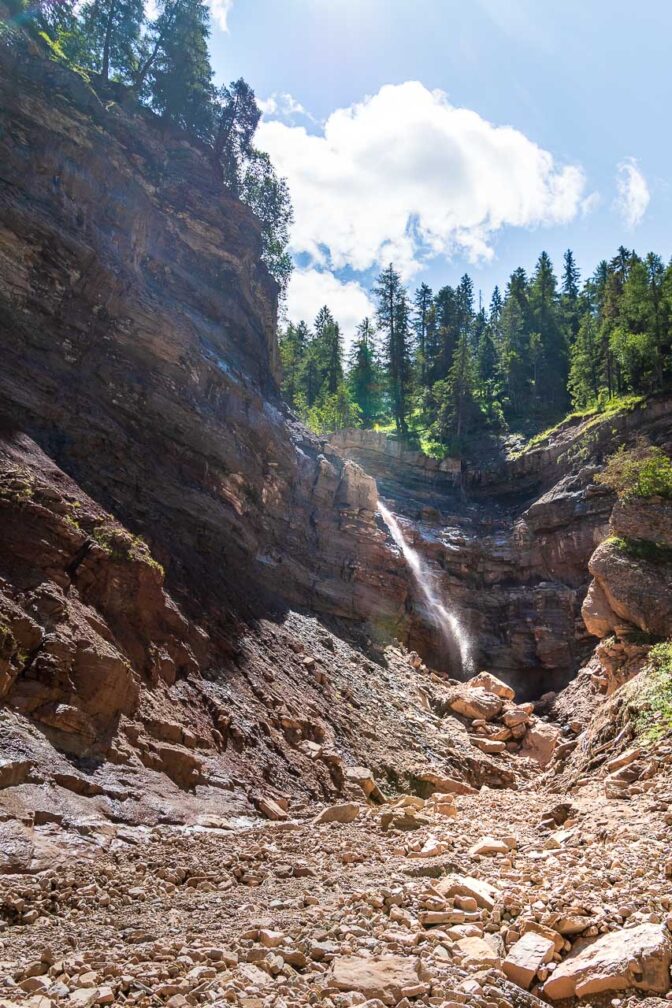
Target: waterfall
452 630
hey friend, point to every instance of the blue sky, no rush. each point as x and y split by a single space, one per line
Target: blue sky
471 135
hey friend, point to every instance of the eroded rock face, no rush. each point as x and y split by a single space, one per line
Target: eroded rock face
636 589
139 351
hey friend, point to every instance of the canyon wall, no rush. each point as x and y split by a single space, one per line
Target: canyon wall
510 543
139 351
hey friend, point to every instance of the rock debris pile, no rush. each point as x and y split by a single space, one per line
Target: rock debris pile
492 899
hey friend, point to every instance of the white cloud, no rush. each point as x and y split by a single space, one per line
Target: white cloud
282 105
633 193
310 289
406 176
220 10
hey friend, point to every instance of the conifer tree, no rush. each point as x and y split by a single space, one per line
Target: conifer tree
180 77
364 377
393 320
584 373
237 120
422 320
455 396
112 31
548 351
571 310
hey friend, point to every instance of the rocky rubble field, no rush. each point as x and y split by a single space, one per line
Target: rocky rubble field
487 898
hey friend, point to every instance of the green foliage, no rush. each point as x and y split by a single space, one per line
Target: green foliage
112 31
335 411
643 471
180 77
122 545
642 549
650 695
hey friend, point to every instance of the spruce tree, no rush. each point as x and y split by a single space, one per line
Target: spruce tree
237 118
456 406
180 77
548 352
364 377
393 319
111 31
422 320
571 309
584 371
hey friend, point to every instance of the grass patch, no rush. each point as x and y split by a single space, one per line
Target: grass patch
593 415
642 549
651 699
121 545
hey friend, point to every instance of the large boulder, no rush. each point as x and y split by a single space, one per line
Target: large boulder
637 957
474 703
598 616
490 682
388 978
540 742
638 588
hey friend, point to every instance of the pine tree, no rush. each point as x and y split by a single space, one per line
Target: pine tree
393 319
293 344
514 360
364 377
571 309
329 350
237 120
422 320
446 309
584 380
111 30
548 352
180 77
455 397
268 197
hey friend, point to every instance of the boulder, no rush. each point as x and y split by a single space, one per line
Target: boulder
490 746
478 953
356 490
637 590
363 778
637 957
474 703
492 684
488 846
436 781
388 978
524 958
13 770
269 808
346 812
540 742
485 894
598 616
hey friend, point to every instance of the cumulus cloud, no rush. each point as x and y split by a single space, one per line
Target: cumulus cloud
633 192
309 289
220 10
405 175
281 105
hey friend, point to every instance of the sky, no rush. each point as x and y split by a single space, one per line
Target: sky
452 137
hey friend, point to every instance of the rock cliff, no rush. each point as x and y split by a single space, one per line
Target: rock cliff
138 338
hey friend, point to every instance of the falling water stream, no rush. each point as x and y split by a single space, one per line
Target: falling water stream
452 630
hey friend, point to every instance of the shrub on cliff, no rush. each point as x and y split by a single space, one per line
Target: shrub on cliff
652 698
643 471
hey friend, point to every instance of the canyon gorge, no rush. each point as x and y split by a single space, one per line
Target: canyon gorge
241 762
